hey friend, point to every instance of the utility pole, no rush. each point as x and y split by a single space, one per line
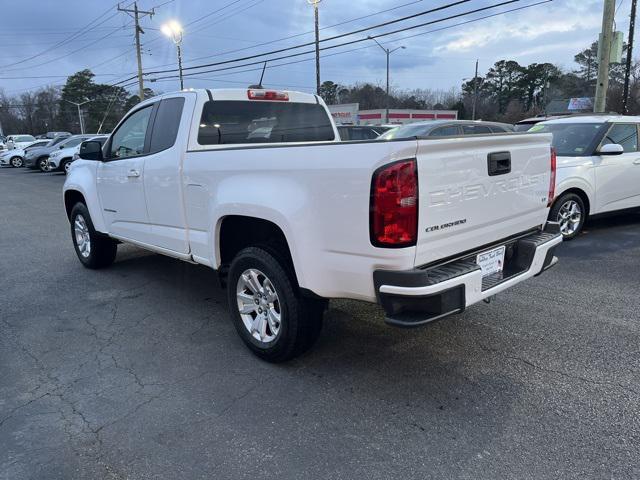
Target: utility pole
475 93
80 119
604 54
317 29
627 72
388 52
137 15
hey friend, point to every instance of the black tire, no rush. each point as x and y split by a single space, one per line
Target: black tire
16 162
42 164
102 250
300 317
559 209
63 165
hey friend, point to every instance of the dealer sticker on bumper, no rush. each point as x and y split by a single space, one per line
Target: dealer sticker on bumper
492 261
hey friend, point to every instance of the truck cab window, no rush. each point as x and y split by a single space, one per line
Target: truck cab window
128 140
237 122
165 126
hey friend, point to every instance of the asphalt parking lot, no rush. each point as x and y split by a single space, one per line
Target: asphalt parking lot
136 371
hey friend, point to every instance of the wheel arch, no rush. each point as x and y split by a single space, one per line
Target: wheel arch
581 193
71 197
232 237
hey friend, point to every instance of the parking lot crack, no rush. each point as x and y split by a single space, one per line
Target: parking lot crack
558 372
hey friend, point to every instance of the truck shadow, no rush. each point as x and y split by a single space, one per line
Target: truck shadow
439 368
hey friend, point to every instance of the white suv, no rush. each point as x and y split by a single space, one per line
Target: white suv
598 167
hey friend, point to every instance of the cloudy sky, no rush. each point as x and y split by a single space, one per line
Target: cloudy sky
44 41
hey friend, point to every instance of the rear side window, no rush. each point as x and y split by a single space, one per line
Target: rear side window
167 122
623 134
445 131
233 122
475 130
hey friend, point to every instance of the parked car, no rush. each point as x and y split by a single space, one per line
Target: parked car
61 159
294 218
53 135
598 163
446 128
360 132
19 141
37 158
527 123
15 157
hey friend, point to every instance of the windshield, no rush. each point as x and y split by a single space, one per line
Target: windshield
24 138
405 131
570 139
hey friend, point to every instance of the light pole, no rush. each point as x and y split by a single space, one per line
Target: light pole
173 30
317 28
79 113
388 52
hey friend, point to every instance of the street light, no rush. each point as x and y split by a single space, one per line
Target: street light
173 30
315 11
80 119
388 53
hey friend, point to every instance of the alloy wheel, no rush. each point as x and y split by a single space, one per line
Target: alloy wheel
259 305
569 217
83 238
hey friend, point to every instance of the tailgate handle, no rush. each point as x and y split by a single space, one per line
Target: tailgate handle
499 163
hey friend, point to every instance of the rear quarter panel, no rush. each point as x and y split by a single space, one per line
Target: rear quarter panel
317 194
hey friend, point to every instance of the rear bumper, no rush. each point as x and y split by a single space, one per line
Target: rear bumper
422 295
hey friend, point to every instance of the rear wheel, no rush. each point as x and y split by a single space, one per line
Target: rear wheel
16 162
95 250
270 315
569 211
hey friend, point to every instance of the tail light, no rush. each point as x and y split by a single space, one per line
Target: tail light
267 95
394 205
552 178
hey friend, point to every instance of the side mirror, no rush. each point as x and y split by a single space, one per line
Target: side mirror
91 150
611 149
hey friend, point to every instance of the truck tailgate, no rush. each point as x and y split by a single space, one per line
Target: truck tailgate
478 190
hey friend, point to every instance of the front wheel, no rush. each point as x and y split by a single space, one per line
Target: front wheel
43 165
95 250
16 162
66 166
569 211
270 315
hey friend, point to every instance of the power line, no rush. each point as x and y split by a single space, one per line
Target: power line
270 66
76 35
384 24
306 33
250 57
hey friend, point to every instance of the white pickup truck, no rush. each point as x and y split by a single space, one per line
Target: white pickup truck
254 184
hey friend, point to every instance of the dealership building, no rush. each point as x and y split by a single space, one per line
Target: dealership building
350 114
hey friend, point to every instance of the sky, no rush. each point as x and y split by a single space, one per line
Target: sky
43 41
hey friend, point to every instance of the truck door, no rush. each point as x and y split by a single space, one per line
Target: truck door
618 176
162 175
120 177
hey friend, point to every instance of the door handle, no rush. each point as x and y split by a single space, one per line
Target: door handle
133 173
